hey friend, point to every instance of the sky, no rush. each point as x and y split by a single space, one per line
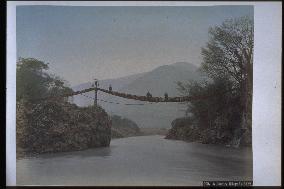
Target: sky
83 43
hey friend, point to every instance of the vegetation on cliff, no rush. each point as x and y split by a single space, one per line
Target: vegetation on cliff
225 117
53 125
123 127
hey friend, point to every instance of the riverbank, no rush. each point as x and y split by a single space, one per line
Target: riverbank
184 129
21 153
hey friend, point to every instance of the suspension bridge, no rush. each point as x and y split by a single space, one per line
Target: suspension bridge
147 98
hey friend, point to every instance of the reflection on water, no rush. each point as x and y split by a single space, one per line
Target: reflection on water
98 152
144 160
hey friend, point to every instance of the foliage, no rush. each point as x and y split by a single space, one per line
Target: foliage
54 125
227 60
229 52
123 127
34 82
221 104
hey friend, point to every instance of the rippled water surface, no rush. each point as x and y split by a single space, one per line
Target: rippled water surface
143 160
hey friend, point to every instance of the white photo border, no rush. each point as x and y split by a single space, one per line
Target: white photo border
266 111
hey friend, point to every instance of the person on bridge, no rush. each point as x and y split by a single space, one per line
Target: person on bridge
110 88
166 96
148 95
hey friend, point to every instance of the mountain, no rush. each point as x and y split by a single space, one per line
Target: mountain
157 82
163 79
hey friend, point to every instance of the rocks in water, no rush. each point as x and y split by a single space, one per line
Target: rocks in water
60 126
123 127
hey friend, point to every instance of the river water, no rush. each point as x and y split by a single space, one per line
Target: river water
143 160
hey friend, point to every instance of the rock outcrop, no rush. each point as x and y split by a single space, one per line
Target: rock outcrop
56 127
123 127
184 129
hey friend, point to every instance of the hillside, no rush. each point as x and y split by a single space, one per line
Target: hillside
163 79
123 127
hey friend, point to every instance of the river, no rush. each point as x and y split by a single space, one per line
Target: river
143 160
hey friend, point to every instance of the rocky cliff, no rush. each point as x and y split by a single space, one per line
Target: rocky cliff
56 127
185 129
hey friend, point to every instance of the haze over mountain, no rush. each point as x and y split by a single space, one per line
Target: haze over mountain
157 82
116 83
163 79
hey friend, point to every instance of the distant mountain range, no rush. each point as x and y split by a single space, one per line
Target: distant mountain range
157 82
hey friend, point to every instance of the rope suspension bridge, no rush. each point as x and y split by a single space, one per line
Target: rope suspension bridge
147 98
111 102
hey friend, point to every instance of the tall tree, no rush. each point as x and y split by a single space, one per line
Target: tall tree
229 53
33 80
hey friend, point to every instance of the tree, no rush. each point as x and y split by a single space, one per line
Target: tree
221 103
229 53
33 81
227 60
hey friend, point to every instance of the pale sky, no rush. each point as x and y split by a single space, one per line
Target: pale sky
81 43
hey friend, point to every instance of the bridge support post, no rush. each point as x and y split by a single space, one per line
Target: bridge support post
96 93
96 97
